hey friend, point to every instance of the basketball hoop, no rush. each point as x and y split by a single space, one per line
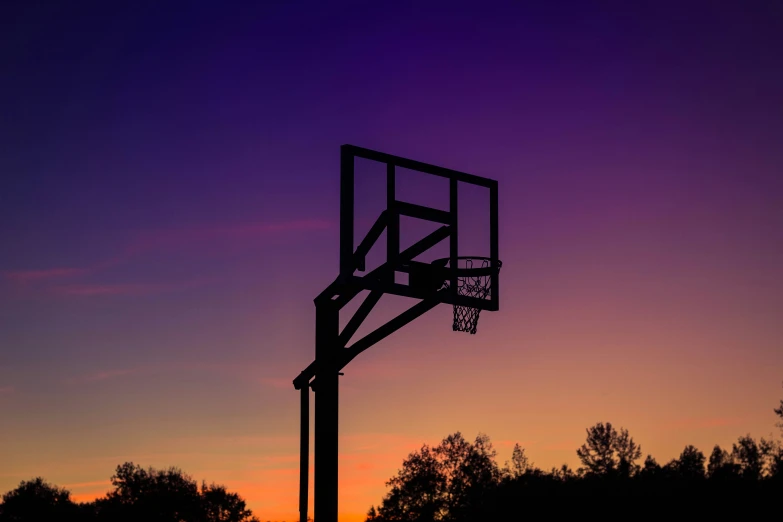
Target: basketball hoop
474 279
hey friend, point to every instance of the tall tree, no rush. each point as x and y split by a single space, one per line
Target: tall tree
519 464
746 453
168 496
628 452
609 452
150 494
37 500
772 454
690 464
721 466
219 505
417 492
450 481
650 468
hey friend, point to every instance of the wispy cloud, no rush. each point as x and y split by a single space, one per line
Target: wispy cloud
32 276
82 485
180 237
109 374
6 390
161 239
88 290
701 423
232 370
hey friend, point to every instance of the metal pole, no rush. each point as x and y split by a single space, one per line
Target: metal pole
304 451
327 326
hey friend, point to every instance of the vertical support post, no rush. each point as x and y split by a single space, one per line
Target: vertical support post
327 326
493 244
346 211
453 237
393 224
304 451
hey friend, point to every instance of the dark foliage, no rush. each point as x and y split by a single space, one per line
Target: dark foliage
608 452
455 478
138 494
436 484
35 500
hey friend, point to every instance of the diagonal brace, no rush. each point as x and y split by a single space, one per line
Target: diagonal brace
369 240
377 335
361 314
352 290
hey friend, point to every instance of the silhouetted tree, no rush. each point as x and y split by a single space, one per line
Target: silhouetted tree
372 515
690 464
650 468
608 452
518 465
150 494
417 492
720 465
628 452
37 500
221 506
168 496
771 457
597 454
450 481
562 473
746 453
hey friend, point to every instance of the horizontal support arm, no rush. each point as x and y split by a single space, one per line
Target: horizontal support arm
406 163
384 331
348 354
389 328
418 211
344 292
424 244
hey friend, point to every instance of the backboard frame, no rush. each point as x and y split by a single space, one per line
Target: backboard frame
352 257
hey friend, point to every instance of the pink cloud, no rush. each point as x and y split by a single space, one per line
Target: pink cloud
238 370
7 390
701 423
29 276
103 289
153 240
81 485
102 376
129 289
168 238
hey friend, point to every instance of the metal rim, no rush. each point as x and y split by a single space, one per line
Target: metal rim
474 271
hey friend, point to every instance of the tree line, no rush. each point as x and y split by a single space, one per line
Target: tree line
137 494
458 480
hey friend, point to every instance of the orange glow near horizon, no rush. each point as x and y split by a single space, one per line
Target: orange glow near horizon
169 209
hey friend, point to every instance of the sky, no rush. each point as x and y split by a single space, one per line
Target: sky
169 207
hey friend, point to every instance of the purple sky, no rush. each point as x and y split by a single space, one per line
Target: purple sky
169 202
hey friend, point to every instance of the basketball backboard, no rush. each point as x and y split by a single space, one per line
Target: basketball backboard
447 273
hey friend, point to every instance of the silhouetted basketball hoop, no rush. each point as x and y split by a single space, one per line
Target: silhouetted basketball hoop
474 279
469 284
